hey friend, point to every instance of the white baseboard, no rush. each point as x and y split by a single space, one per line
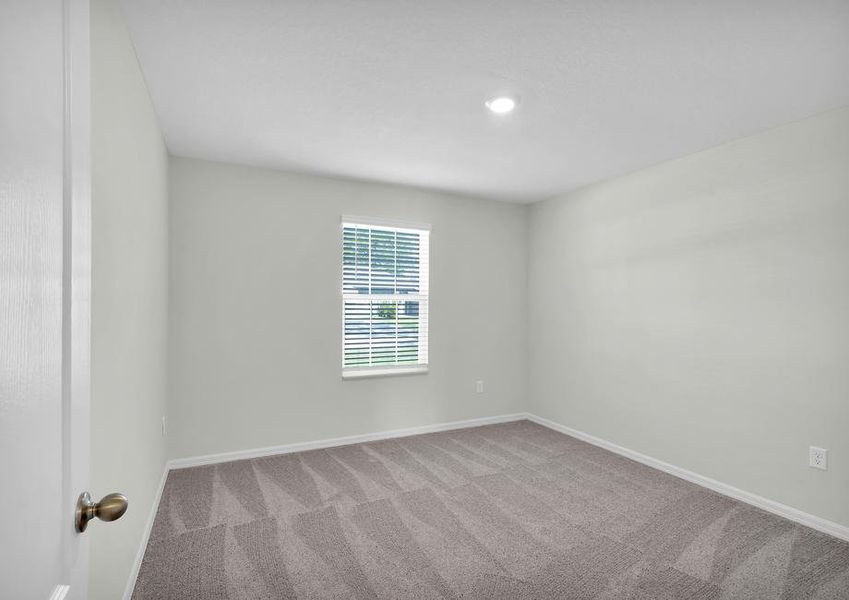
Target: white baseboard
182 463
782 510
788 512
60 592
209 459
134 571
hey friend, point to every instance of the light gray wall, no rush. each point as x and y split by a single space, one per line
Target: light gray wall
129 297
698 312
256 327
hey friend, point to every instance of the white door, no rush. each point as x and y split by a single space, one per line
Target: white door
44 295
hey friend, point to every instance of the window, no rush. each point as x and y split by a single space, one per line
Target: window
384 297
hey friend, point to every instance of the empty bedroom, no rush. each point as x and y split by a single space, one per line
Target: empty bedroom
382 299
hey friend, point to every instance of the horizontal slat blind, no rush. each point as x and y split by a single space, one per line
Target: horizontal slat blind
385 295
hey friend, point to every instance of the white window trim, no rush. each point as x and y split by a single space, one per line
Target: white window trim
364 372
388 223
391 370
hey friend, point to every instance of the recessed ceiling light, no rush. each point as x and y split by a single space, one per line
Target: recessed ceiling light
501 105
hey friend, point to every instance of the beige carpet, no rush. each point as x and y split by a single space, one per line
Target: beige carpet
507 511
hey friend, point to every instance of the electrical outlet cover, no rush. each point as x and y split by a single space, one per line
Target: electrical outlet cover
818 458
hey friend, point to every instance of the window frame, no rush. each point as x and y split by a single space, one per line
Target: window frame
384 370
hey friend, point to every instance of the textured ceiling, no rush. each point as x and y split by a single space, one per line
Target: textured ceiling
393 90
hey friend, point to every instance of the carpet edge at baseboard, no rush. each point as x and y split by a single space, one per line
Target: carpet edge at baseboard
777 508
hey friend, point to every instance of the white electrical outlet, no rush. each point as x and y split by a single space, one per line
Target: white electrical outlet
479 387
818 458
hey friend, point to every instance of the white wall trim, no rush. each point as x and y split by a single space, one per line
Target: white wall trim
209 459
380 222
134 571
59 592
182 463
364 372
782 510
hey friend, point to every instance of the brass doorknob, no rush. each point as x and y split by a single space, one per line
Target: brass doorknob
110 508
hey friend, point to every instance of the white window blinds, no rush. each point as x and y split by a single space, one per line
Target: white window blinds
384 295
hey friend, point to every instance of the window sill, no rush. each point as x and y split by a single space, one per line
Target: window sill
383 372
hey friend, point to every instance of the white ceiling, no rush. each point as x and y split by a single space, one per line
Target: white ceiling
394 90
